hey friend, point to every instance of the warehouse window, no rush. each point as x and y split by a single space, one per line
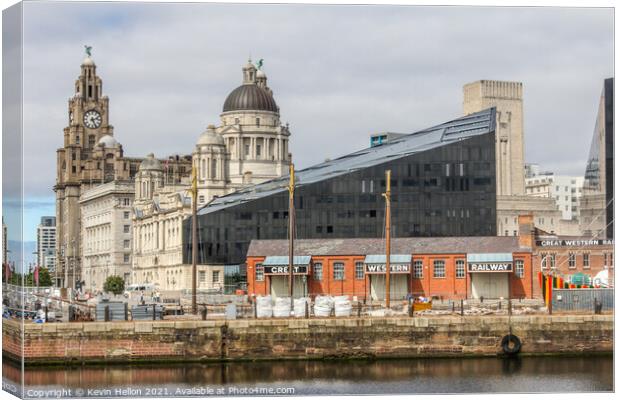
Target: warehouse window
543 262
519 268
338 271
552 260
260 273
418 269
317 272
202 277
586 260
359 270
439 269
572 260
460 268
216 277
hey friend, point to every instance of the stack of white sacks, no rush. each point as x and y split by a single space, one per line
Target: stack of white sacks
282 308
263 307
342 306
323 306
299 307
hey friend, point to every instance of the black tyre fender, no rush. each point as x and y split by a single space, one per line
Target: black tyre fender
506 340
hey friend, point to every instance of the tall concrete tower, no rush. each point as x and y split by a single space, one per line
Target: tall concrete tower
507 98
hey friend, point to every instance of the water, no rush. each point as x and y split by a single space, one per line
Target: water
417 376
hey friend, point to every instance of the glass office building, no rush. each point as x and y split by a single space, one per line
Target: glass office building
443 184
597 201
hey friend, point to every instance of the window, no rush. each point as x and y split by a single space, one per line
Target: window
338 271
418 269
543 261
260 273
257 121
572 260
202 277
125 258
126 214
126 243
216 277
126 228
460 268
552 260
258 150
519 268
586 260
247 150
201 199
359 270
439 269
317 272
91 141
126 202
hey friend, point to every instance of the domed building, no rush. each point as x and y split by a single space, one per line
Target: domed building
250 126
249 147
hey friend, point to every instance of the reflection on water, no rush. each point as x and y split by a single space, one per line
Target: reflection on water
549 374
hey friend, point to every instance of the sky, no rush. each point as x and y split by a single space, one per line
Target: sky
338 74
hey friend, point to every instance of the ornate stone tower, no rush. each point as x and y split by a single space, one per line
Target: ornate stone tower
89 156
149 178
211 159
256 142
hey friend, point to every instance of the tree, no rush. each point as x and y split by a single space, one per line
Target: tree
114 284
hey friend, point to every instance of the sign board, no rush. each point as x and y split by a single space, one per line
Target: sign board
394 268
283 269
574 242
490 267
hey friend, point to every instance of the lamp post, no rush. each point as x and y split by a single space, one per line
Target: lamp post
387 195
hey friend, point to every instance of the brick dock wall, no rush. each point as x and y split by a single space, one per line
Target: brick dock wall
156 341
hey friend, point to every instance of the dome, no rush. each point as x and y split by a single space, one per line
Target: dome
88 61
150 163
210 137
260 74
250 97
107 141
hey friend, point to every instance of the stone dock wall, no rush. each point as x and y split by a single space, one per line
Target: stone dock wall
183 341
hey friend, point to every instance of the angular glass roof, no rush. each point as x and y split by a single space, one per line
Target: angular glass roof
471 125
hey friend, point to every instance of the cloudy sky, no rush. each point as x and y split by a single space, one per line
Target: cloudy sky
338 73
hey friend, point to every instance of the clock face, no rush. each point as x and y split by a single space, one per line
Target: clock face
92 119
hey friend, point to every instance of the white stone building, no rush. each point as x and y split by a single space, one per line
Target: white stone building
565 190
106 224
249 147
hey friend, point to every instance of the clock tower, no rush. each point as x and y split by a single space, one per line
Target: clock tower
89 156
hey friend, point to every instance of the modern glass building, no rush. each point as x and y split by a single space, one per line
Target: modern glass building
443 184
597 202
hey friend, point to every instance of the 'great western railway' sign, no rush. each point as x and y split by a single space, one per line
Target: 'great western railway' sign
490 267
283 269
574 242
394 268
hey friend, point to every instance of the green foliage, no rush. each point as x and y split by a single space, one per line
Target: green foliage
114 284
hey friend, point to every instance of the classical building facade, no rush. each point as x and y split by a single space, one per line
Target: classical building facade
507 98
106 212
90 156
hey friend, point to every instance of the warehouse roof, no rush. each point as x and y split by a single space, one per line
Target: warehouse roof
365 246
475 124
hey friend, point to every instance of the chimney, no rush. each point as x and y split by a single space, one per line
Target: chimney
526 230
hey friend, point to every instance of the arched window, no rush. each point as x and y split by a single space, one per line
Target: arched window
213 168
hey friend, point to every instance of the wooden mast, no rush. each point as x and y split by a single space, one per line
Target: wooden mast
291 229
194 237
387 195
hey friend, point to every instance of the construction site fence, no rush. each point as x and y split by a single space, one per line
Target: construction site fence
582 299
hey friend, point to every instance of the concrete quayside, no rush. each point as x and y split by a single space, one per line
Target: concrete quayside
316 338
